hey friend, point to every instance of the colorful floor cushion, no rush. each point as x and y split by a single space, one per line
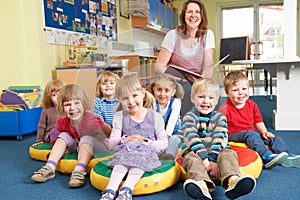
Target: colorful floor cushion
68 162
249 161
158 180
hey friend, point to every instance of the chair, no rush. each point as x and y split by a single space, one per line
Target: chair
238 49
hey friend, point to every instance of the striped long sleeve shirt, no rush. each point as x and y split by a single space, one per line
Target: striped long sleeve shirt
105 109
206 135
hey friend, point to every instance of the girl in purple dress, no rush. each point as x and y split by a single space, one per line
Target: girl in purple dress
138 137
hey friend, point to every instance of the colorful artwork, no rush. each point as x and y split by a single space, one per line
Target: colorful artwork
95 17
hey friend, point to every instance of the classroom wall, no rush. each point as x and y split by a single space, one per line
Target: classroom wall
26 57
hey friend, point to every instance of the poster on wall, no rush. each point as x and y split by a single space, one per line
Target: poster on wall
92 19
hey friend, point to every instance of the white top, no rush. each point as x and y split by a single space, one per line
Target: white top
170 40
173 116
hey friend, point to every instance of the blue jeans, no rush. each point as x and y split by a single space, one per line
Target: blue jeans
254 140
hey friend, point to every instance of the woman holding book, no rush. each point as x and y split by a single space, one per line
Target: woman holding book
189 48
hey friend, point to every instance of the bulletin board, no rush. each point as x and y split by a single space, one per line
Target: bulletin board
94 17
237 47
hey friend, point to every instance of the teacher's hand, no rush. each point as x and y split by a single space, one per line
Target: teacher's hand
191 78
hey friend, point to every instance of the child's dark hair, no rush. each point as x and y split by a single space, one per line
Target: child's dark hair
72 92
52 86
172 82
232 78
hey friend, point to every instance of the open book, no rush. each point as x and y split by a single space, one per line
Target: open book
184 71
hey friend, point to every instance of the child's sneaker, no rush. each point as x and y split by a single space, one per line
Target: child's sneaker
196 189
108 194
43 174
292 161
274 160
125 193
239 186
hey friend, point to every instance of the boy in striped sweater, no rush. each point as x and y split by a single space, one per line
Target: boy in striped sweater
207 156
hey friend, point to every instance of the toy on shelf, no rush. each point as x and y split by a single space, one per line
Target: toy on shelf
78 52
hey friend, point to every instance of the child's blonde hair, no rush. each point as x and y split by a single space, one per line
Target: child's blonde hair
130 83
173 83
206 85
52 86
232 78
104 77
72 92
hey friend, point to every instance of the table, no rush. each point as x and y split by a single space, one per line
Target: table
287 70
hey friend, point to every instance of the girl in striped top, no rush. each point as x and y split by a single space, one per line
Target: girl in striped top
105 102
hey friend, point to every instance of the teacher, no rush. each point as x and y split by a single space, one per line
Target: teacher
188 48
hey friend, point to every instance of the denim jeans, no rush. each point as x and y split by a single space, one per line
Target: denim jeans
254 140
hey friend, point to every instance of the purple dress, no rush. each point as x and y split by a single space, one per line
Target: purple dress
136 154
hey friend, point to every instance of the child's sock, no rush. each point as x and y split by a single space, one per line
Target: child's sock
80 166
51 164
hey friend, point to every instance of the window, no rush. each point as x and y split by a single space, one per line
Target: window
261 21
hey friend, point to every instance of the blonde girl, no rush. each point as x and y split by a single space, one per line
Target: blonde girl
168 94
80 131
106 102
138 137
49 114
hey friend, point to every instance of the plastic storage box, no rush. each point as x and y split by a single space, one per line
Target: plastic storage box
19 123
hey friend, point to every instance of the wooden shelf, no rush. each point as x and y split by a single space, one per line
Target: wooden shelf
142 65
154 29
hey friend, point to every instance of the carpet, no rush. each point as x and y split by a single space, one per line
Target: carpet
17 167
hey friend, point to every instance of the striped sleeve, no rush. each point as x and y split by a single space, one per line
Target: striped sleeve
219 134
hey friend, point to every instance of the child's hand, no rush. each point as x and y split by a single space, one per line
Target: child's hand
135 138
207 164
267 135
214 170
37 144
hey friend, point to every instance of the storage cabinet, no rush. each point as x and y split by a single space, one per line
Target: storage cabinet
160 18
142 65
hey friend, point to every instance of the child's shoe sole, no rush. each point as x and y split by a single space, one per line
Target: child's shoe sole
194 190
243 186
292 162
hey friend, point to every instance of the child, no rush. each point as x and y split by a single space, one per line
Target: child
207 155
245 123
164 88
138 137
79 130
105 102
49 114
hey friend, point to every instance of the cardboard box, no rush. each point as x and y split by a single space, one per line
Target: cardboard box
19 123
